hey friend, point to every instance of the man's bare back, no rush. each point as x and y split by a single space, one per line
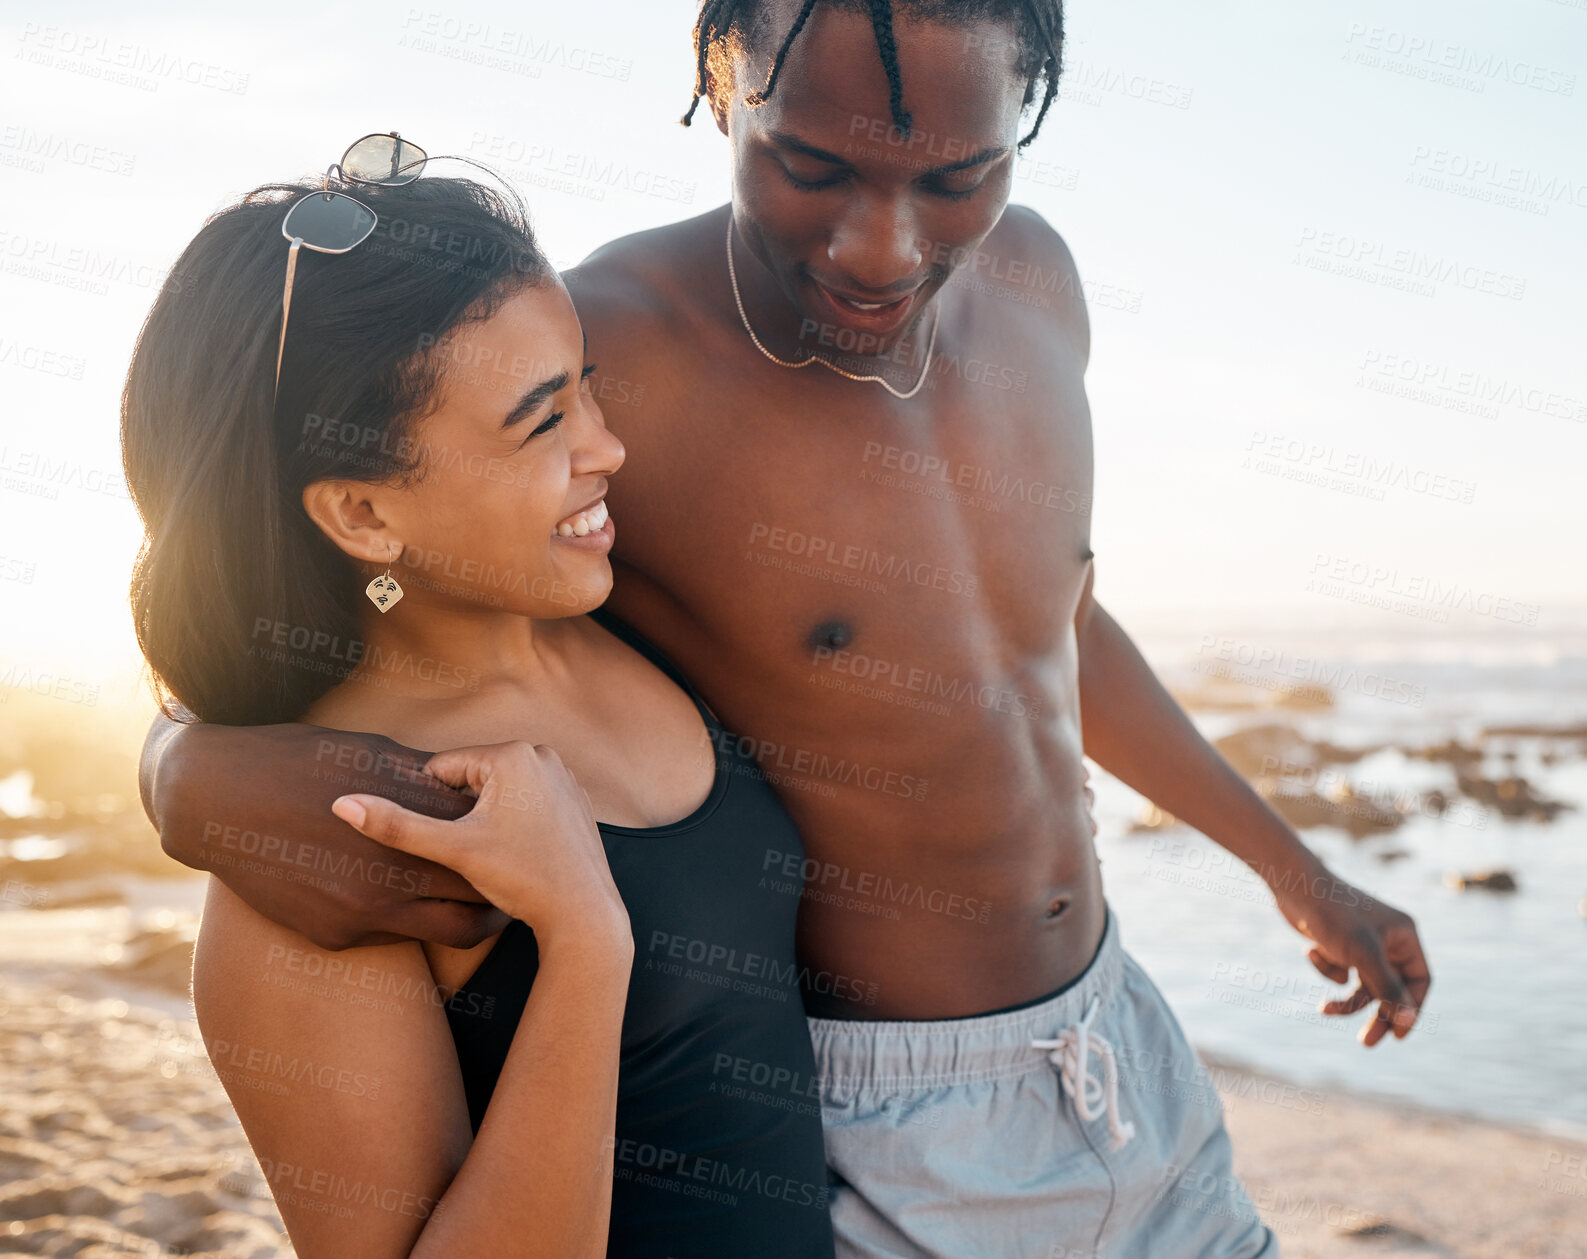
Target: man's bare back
881 594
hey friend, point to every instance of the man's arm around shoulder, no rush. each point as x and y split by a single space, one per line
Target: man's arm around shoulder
252 806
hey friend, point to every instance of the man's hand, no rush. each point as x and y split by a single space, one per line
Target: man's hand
252 806
1352 931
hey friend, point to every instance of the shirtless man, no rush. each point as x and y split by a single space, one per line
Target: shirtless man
912 654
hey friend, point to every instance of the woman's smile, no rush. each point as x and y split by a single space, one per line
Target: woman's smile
590 529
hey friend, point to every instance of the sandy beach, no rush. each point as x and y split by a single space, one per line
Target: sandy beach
1337 1175
118 1140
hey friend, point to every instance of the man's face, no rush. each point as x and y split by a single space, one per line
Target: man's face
860 224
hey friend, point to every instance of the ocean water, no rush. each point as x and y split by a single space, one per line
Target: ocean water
1504 1031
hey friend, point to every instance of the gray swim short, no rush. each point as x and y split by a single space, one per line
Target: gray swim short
963 1139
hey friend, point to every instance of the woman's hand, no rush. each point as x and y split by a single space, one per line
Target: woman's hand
530 844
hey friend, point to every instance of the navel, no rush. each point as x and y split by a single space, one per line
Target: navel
1056 908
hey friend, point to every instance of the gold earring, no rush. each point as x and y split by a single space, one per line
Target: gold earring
384 592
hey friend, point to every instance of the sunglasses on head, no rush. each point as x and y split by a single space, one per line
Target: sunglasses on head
333 222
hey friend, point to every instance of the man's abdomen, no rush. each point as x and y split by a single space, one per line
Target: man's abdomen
983 893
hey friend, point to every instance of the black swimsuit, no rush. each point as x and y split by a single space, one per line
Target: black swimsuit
718 1149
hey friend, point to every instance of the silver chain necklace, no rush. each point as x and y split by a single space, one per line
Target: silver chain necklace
925 369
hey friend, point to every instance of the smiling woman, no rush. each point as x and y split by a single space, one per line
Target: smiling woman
219 474
514 1091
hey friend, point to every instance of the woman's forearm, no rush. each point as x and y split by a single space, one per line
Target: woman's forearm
538 1178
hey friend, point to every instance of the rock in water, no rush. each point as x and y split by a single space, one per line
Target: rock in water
1489 880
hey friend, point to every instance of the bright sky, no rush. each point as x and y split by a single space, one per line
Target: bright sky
1335 254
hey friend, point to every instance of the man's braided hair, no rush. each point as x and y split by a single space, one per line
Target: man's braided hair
1040 24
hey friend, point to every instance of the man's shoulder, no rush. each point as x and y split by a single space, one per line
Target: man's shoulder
645 275
1026 254
648 316
1027 230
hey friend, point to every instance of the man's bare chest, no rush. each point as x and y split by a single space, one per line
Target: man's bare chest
954 525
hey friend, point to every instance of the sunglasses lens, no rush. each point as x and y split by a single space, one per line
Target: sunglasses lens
329 222
383 160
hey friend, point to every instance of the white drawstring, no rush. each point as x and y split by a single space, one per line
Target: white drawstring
1093 1097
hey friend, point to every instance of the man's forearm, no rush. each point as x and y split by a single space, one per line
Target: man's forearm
156 744
160 771
252 806
1135 730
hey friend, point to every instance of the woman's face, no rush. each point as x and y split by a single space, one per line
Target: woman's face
508 509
